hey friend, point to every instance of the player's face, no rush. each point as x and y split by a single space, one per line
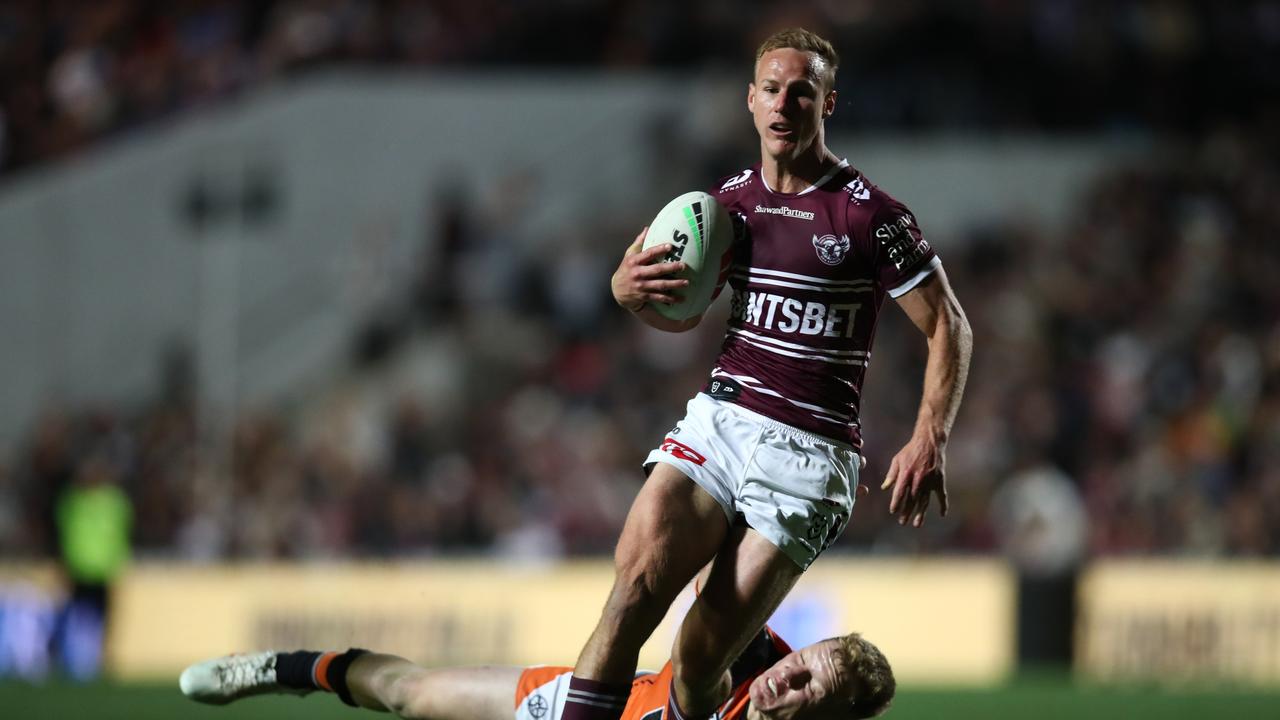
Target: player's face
810 683
789 100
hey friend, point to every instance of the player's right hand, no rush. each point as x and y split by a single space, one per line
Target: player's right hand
641 278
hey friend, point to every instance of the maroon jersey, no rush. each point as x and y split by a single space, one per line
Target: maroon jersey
809 273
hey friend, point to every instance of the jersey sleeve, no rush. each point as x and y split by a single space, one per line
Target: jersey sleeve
899 254
726 192
735 247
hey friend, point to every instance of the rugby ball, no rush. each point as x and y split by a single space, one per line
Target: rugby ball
701 234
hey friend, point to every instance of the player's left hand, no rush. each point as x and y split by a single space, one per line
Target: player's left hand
917 473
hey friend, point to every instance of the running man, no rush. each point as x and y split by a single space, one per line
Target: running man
761 473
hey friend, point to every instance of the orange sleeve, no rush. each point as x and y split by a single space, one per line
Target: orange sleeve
535 677
649 694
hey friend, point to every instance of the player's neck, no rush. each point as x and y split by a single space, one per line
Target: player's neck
793 175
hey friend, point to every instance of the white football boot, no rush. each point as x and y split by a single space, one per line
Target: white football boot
231 677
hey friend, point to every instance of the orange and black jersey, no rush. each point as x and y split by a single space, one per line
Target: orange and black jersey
541 691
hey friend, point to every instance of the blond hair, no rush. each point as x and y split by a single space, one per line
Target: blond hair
872 678
804 41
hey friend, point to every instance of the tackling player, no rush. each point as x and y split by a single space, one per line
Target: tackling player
837 679
771 444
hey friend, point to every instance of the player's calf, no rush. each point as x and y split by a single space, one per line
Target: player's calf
391 683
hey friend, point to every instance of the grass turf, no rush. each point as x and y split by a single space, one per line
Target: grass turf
1035 699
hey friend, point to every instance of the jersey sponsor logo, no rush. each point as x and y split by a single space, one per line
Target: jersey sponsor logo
789 315
679 450
858 190
537 706
899 243
831 249
737 180
785 212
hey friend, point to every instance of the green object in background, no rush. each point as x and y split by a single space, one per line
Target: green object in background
94 524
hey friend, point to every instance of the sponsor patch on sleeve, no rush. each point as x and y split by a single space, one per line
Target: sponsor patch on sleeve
679 450
902 241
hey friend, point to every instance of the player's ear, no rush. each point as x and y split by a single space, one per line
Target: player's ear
751 97
829 104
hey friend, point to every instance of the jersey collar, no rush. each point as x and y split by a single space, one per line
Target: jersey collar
821 181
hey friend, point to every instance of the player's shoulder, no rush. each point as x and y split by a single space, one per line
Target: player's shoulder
859 192
868 203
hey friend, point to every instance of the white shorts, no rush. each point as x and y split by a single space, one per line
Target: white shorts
793 487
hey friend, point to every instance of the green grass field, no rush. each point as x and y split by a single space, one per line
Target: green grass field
1054 699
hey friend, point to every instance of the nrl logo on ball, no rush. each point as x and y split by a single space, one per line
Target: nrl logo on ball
831 250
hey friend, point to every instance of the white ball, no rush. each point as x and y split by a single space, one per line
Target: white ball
701 233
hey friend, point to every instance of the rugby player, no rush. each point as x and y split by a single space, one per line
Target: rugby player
837 679
772 443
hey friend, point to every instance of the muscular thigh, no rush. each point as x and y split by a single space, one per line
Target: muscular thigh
673 529
747 582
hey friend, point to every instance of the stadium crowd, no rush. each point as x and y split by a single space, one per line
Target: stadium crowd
1127 364
1132 356
74 72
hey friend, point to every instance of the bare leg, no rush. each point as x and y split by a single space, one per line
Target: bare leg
672 530
392 684
748 581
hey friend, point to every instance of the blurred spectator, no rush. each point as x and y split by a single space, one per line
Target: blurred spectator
94 521
1135 349
1040 520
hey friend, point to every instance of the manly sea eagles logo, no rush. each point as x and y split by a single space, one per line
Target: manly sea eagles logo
831 250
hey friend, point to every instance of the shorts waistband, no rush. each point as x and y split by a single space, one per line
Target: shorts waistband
782 427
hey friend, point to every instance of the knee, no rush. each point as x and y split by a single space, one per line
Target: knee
406 695
639 587
643 580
